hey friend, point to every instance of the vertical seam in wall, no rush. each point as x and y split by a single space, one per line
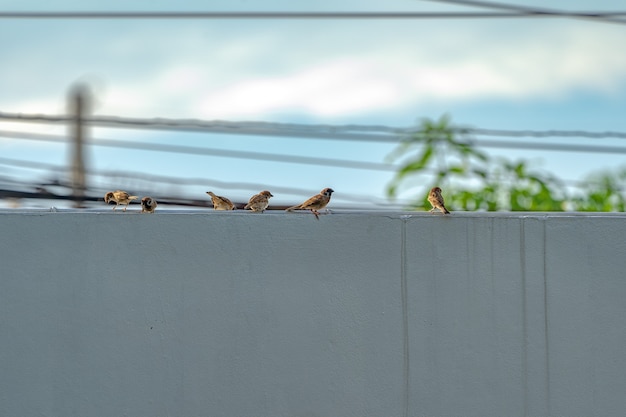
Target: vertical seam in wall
545 318
405 317
524 317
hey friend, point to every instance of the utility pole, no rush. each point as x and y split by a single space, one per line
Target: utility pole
79 106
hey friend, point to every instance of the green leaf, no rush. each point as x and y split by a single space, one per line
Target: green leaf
417 165
456 169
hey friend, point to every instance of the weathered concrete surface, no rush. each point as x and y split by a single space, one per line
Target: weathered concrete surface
277 314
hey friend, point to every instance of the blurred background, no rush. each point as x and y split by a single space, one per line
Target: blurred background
173 99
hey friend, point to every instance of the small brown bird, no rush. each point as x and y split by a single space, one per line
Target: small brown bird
436 200
259 202
148 205
119 197
315 203
221 203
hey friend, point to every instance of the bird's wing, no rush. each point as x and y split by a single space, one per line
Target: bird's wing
223 200
121 195
258 198
314 202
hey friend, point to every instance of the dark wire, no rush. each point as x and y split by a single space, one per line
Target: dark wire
364 133
608 17
306 160
276 15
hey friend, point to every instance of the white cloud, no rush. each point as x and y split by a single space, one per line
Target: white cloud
339 71
381 78
326 89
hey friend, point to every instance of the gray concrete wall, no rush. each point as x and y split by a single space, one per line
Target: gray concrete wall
277 314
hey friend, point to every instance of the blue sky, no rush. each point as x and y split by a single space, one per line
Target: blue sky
547 73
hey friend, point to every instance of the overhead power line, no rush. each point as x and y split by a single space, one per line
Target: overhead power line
361 133
559 147
306 160
260 156
609 17
513 12
548 133
260 15
44 193
186 181
195 150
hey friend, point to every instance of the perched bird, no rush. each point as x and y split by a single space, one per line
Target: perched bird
119 197
221 203
315 203
259 202
148 205
436 200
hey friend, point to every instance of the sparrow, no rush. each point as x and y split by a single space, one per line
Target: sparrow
259 202
315 203
436 200
221 203
148 205
119 197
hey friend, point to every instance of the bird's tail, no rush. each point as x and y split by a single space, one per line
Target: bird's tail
133 197
445 210
293 208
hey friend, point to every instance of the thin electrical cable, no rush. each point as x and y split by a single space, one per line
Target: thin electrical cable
259 156
608 17
557 147
512 12
43 193
193 150
361 133
160 179
268 15
548 133
254 187
191 181
296 159
365 133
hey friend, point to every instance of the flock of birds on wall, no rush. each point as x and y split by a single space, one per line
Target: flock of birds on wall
258 202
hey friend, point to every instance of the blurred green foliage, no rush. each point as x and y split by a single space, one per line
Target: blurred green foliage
441 154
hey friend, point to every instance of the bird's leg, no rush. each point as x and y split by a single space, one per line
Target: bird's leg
316 213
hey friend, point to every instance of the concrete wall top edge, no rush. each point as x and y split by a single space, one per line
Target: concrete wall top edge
372 213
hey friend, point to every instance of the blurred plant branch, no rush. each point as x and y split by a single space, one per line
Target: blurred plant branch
472 180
